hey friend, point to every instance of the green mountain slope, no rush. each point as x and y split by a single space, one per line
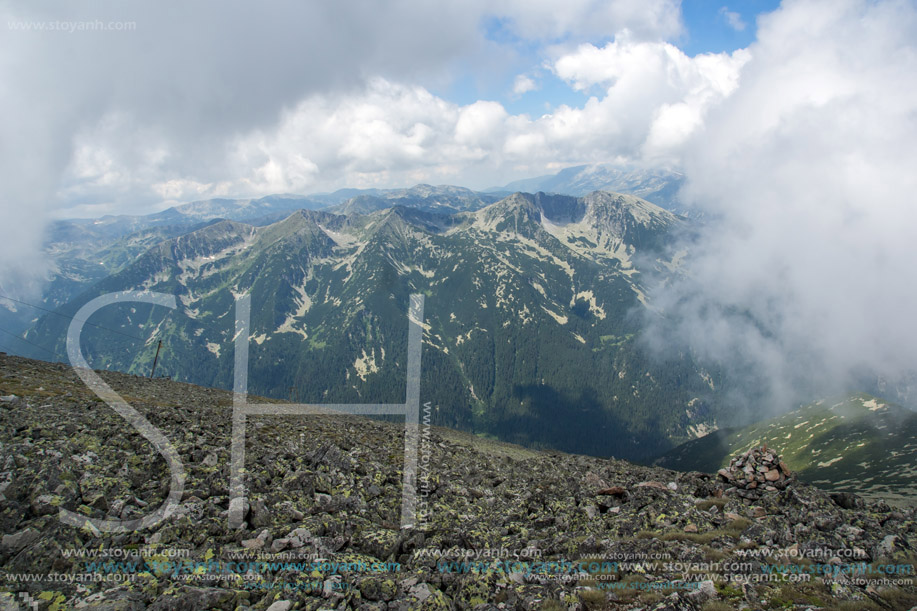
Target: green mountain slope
529 334
856 444
82 252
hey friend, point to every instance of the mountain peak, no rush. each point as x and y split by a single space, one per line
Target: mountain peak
605 204
300 227
208 240
606 221
517 213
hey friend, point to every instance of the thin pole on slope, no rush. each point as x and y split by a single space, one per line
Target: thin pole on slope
156 358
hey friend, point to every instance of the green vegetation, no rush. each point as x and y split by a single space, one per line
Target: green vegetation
592 598
856 443
529 335
734 529
708 503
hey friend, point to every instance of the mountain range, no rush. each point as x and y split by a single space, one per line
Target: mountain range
532 324
535 309
83 251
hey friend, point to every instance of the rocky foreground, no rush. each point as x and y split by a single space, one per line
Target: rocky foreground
508 528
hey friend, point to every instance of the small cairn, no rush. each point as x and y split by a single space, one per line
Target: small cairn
757 470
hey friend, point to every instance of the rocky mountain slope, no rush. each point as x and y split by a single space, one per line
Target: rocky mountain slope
84 251
856 444
531 329
536 530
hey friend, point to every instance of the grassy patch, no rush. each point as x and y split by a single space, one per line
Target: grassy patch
734 529
592 599
898 598
737 527
699 538
552 605
727 591
858 605
708 503
714 555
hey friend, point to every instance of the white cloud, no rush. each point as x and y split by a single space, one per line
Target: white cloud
590 19
651 97
654 97
733 18
654 94
364 138
481 125
119 120
804 274
524 84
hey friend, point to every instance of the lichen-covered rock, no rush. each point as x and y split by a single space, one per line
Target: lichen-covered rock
194 599
502 525
19 540
756 472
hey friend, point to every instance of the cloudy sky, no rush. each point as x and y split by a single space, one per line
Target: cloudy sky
795 123
114 106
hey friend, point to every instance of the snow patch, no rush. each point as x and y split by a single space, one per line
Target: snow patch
302 302
596 310
366 364
701 429
873 405
558 317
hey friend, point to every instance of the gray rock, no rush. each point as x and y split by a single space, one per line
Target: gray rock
190 598
847 500
377 588
258 542
421 592
705 592
481 496
892 547
19 540
279 545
